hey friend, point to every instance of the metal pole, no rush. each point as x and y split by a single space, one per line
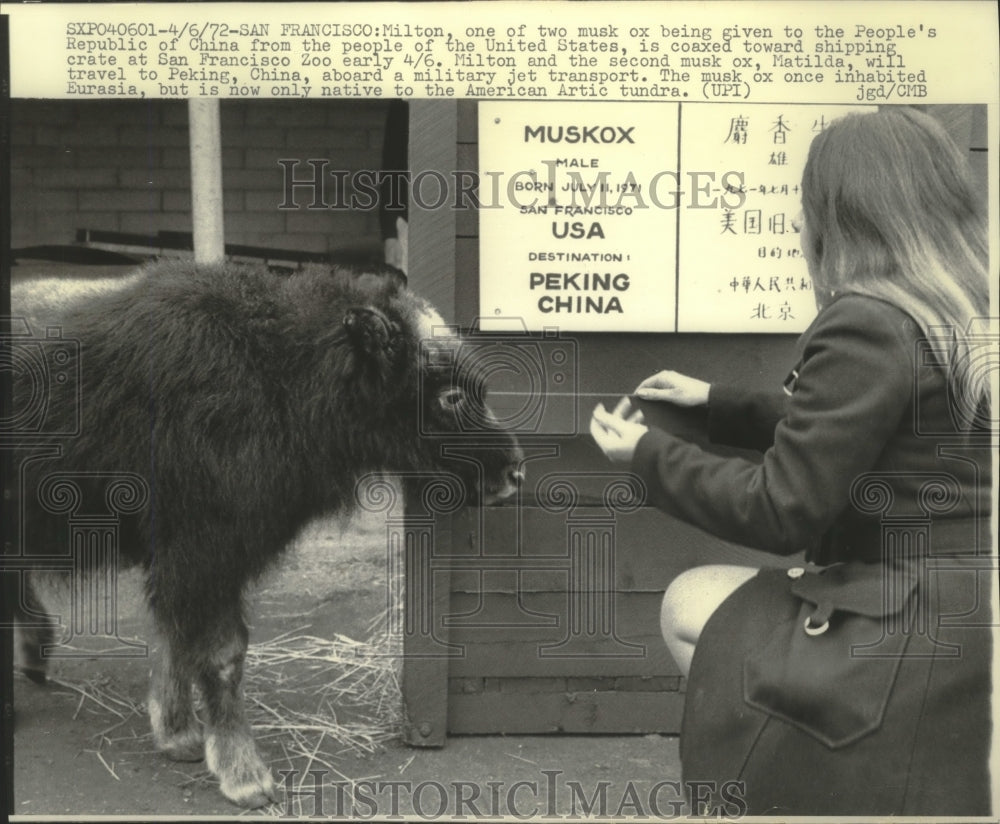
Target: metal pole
206 180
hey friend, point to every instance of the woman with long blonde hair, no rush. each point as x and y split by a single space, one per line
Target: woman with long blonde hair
858 682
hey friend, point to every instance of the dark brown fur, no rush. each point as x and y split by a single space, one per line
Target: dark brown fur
250 403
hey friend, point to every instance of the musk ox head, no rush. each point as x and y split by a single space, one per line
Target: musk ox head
400 340
456 417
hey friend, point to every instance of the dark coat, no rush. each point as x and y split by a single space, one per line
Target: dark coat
866 397
865 459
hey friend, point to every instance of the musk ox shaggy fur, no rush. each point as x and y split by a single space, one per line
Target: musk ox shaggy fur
248 403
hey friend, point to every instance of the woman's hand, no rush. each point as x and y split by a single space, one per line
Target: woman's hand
675 388
618 432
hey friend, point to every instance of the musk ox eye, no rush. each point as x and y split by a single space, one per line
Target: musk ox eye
450 398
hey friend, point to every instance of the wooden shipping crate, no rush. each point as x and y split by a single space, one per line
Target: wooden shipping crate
541 615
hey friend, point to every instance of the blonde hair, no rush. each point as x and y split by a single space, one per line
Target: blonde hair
892 211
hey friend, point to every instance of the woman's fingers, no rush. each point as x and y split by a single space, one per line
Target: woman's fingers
597 430
674 387
658 379
623 408
653 394
607 421
623 412
659 387
614 434
627 412
605 432
614 421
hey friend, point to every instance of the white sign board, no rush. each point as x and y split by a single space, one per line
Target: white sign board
658 217
572 241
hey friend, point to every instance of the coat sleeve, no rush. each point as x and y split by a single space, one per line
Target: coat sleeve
854 385
745 419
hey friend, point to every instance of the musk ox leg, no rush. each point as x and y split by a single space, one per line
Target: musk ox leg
176 730
27 608
230 752
198 605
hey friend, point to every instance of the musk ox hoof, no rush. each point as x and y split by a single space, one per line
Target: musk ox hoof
243 777
185 744
251 794
32 640
34 674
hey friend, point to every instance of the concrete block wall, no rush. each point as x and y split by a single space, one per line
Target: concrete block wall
124 166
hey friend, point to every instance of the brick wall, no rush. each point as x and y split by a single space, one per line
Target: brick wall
124 166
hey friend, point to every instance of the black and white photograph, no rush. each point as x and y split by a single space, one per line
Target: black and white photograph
499 410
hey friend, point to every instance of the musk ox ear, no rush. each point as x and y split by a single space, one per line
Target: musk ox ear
450 398
371 331
367 277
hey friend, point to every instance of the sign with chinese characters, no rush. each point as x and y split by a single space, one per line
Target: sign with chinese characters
741 269
645 217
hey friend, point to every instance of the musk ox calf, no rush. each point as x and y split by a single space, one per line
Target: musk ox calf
248 403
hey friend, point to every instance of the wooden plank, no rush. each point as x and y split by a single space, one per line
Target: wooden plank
578 712
527 548
425 635
979 155
507 636
979 138
431 238
466 219
466 281
979 163
510 658
605 367
205 141
468 121
533 618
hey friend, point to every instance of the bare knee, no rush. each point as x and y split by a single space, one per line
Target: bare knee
694 595
676 611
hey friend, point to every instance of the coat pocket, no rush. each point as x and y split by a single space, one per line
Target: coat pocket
830 671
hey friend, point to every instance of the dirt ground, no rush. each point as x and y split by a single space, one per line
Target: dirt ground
75 757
